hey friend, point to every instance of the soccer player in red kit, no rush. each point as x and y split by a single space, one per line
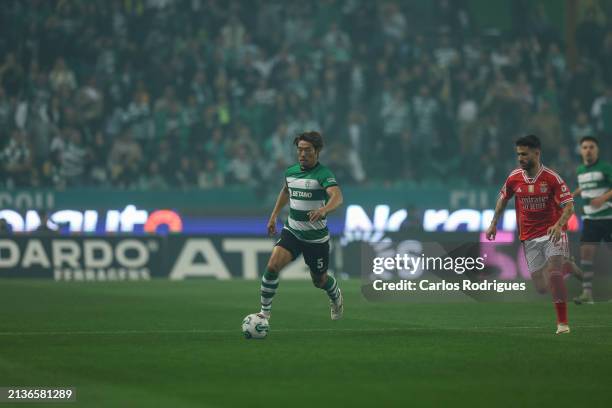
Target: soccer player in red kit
543 204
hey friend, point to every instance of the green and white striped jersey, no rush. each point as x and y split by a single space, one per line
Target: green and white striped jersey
307 193
595 180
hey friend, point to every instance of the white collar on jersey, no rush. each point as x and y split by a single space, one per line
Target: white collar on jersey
532 180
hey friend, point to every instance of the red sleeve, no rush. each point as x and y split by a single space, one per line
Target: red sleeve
563 195
507 190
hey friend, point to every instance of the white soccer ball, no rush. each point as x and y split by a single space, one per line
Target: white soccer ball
255 326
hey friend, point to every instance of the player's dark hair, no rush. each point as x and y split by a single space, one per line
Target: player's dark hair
312 137
531 141
590 139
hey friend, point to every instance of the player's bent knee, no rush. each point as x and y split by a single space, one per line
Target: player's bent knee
279 259
274 265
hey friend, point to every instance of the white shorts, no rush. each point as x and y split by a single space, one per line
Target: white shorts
538 250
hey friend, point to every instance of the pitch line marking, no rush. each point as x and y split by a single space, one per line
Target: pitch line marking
205 331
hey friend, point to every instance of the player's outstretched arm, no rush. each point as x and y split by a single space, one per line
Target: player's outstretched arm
576 192
281 201
554 232
499 210
335 201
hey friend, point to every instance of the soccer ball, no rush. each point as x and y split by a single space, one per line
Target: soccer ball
255 326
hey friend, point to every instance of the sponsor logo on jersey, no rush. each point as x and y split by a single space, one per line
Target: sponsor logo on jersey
301 194
534 203
590 176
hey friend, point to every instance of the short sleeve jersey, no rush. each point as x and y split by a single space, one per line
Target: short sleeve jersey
538 201
595 180
307 192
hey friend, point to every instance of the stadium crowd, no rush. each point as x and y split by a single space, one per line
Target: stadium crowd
156 94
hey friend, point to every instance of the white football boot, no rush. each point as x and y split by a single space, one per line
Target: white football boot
337 307
562 328
584 299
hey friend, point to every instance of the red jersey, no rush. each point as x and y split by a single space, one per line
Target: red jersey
538 200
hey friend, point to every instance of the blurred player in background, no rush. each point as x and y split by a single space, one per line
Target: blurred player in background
312 192
543 204
595 189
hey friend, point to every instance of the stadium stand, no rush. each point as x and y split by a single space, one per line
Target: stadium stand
201 94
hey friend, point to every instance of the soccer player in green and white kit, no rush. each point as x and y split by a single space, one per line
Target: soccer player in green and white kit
595 188
312 192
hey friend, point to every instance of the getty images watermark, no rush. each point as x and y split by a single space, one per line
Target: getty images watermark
415 266
412 270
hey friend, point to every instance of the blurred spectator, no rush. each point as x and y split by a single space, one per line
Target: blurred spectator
355 147
601 111
579 129
393 22
524 93
467 115
337 44
590 33
545 123
445 53
279 147
98 166
11 75
564 163
550 96
241 168
491 167
62 77
137 116
52 175
221 80
210 176
426 109
557 60
16 159
395 116
167 158
7 108
152 179
90 102
186 175
606 57
233 33
124 160
74 159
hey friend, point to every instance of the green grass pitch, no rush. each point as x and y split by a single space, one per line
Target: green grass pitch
178 344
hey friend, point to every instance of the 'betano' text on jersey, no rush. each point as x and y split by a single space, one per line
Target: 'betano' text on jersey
307 192
595 180
538 200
